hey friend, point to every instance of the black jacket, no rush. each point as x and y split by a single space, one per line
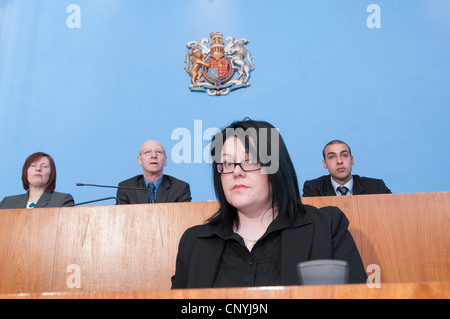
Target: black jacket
361 186
317 234
170 190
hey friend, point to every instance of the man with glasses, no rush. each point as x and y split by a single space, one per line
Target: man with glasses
152 186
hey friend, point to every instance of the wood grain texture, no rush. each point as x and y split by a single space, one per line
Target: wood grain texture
434 290
133 247
407 235
27 247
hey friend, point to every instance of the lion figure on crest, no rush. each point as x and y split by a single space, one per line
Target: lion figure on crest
198 61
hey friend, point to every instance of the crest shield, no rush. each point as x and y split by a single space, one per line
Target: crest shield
218 64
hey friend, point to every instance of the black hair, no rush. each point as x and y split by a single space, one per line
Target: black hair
335 142
285 190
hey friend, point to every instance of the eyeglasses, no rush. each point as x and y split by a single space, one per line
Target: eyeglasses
246 166
34 165
150 152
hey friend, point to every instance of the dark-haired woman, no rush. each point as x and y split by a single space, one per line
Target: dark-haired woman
261 230
39 180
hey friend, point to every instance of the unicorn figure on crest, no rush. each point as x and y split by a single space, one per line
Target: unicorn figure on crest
238 54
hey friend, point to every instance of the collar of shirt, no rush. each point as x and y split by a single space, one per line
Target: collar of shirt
157 183
225 230
349 185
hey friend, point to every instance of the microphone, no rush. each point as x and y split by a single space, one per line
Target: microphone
125 187
120 187
93 201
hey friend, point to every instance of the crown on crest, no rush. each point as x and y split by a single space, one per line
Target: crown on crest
217 39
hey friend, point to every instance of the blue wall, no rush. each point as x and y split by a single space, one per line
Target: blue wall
90 96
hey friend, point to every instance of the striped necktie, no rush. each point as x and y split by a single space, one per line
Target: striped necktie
343 190
151 187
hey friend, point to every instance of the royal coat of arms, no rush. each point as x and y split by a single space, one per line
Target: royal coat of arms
225 67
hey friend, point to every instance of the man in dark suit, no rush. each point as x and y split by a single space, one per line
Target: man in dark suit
338 160
160 188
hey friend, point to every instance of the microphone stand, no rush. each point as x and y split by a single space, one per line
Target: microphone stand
93 201
118 187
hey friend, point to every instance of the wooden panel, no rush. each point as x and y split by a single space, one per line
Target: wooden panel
133 247
123 248
360 291
27 247
407 235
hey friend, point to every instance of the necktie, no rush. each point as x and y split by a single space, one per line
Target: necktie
343 190
151 187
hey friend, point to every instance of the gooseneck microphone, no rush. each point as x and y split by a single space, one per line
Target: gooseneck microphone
124 187
93 201
119 187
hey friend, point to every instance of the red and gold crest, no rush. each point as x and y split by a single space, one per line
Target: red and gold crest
218 64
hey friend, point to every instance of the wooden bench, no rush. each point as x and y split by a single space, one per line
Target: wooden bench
133 247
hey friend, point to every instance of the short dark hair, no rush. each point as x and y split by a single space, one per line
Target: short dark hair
30 160
335 142
285 191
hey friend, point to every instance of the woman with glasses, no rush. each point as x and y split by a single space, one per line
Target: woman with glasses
39 180
261 230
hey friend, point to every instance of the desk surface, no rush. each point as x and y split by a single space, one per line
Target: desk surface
133 247
423 290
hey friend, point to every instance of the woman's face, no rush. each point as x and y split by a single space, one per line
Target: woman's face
249 192
39 173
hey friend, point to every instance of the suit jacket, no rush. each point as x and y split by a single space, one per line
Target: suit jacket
317 234
170 190
361 186
54 199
